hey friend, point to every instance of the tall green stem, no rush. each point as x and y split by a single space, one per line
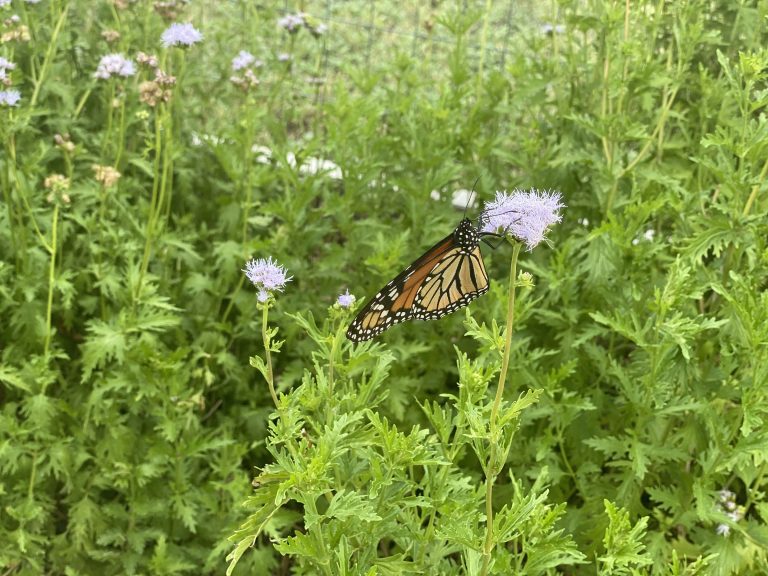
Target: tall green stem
494 466
154 202
267 351
51 279
49 54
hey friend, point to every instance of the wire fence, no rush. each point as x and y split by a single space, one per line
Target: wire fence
363 32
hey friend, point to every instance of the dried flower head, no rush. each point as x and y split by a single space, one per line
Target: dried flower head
266 275
522 215
63 142
164 79
56 182
170 9
346 300
17 32
58 185
10 97
247 81
150 92
106 175
180 35
111 35
114 65
148 60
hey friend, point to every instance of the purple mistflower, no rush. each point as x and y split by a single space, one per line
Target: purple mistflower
5 65
243 60
346 300
180 35
266 275
283 57
723 530
32 1
292 22
114 65
9 97
523 215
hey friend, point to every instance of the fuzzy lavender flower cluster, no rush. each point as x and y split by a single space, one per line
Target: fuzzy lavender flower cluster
730 508
267 275
292 23
346 300
114 65
245 64
523 215
8 97
182 35
5 66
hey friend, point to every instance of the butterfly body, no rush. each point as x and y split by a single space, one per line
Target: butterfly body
445 278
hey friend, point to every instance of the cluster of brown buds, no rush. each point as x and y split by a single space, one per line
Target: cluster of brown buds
110 35
170 10
247 81
107 176
124 4
245 65
158 89
14 30
58 186
64 143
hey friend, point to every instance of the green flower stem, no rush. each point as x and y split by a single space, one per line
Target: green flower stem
51 278
155 201
338 335
49 55
267 351
494 467
120 136
110 121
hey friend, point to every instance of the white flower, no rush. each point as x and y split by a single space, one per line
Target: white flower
114 65
180 35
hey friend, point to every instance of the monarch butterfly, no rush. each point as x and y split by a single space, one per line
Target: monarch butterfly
445 278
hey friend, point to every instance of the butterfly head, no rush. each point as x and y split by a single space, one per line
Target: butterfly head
466 234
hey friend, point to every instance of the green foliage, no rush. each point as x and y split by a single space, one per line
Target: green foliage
131 420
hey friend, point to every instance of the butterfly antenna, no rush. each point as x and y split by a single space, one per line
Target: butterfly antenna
469 198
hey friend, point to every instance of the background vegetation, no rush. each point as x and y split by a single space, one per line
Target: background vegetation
131 423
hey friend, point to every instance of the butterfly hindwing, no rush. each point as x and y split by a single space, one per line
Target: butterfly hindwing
445 278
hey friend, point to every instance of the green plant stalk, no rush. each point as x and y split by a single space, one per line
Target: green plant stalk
6 184
51 279
120 136
110 121
167 185
49 54
267 350
331 360
154 204
491 471
744 213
